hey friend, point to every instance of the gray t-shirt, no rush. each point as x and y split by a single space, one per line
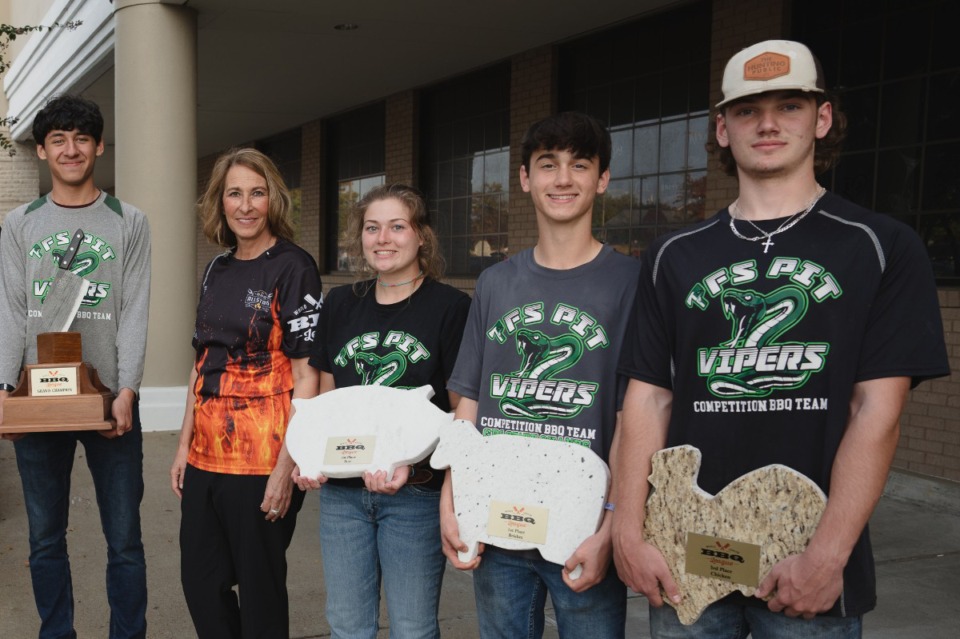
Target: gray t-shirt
114 257
541 346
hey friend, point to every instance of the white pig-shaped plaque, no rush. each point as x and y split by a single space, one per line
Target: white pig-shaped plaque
349 431
506 487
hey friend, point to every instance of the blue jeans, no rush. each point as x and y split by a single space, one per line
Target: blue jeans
368 537
511 592
726 620
45 461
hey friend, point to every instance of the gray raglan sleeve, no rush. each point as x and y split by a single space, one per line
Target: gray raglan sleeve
134 304
13 301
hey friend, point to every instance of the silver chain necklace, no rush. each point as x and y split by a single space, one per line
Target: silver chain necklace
787 224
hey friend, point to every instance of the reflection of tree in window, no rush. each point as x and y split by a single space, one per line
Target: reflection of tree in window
466 158
647 81
895 68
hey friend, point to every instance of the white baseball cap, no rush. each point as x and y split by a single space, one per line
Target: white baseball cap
772 65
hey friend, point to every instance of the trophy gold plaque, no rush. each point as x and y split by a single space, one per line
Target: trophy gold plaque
716 544
60 392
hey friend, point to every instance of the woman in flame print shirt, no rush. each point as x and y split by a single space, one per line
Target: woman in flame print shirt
256 321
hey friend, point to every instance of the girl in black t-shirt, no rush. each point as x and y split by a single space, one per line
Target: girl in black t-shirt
401 328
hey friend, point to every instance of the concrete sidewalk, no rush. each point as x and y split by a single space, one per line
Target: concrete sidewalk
916 533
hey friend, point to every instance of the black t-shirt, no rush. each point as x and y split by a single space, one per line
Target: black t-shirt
403 345
762 350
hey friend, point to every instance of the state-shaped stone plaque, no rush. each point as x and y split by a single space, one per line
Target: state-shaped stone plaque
349 431
716 544
521 493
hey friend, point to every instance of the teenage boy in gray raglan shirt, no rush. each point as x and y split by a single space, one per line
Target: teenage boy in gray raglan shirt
115 258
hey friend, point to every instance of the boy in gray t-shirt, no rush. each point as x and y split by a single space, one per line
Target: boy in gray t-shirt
114 257
539 357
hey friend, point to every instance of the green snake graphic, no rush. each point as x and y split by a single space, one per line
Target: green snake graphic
758 319
379 371
542 357
83 265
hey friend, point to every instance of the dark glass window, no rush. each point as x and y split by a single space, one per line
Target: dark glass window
357 164
896 68
648 81
465 154
285 151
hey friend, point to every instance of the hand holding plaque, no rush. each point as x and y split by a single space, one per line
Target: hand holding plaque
716 544
60 392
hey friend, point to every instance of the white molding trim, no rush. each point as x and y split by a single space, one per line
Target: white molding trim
161 407
59 60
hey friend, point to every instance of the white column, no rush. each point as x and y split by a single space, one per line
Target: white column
156 170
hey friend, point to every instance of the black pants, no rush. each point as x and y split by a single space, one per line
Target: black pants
225 541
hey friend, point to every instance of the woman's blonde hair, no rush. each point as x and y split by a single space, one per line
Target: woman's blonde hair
210 205
431 262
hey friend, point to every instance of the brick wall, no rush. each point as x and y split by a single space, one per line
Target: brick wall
402 136
19 178
312 228
930 426
533 96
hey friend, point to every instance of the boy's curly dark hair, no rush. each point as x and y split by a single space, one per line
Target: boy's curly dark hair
68 113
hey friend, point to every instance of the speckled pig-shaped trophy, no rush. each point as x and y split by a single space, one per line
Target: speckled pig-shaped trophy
522 493
715 545
358 429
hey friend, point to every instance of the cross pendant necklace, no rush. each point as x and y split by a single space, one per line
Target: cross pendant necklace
767 236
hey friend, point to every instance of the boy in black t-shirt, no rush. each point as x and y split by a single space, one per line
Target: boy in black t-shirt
786 329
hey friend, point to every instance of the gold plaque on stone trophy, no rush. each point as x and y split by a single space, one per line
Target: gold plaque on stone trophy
59 392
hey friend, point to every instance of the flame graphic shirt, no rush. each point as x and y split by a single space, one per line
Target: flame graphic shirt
253 317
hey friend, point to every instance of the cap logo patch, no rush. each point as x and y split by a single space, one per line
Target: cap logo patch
766 66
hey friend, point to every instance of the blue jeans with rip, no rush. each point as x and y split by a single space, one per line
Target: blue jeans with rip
726 620
45 461
366 538
511 592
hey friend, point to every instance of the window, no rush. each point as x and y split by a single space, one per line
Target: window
465 130
648 81
896 69
356 167
285 151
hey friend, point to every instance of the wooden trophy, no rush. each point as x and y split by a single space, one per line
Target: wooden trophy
60 392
